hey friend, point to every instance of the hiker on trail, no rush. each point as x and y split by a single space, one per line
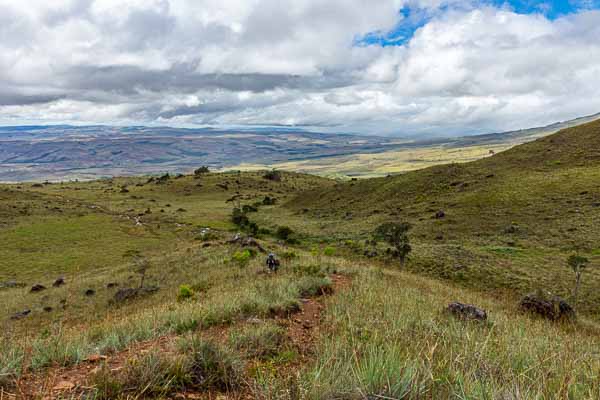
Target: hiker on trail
272 263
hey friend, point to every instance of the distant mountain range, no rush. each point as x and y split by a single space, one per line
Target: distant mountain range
63 152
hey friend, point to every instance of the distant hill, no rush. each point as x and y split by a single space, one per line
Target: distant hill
29 153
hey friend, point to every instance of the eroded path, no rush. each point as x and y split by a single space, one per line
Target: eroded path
302 329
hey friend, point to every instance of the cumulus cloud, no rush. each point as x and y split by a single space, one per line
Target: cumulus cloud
463 68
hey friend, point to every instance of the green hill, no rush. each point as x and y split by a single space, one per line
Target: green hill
509 221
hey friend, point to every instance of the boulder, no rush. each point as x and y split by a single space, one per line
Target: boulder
20 315
111 285
90 292
59 282
37 288
467 311
440 214
48 309
548 306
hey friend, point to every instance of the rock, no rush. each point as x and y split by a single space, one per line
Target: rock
548 306
440 214
48 309
20 315
90 292
37 288
467 311
59 282
111 285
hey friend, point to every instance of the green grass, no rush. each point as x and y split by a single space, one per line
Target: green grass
404 346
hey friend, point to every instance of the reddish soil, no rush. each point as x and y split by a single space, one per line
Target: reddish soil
71 382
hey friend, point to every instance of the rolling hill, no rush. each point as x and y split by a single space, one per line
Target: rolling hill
507 221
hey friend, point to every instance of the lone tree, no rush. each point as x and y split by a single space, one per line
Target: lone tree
140 264
577 264
201 171
396 235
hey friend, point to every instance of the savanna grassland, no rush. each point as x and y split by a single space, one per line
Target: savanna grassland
341 319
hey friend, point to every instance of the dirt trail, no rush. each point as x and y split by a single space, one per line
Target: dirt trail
71 382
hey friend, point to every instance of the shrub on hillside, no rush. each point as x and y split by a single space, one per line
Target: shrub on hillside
273 175
284 233
329 251
396 235
185 293
242 258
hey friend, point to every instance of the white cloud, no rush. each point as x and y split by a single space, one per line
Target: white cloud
468 69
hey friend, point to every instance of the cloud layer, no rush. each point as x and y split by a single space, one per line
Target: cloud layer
369 66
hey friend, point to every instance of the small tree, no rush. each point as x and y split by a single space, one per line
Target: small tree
577 264
140 264
396 235
201 171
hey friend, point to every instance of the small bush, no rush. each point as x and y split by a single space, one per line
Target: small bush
284 233
185 293
242 258
329 251
272 175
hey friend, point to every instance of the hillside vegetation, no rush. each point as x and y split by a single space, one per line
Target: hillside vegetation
164 296
509 221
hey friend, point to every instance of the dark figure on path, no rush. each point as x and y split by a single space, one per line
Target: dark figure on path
272 263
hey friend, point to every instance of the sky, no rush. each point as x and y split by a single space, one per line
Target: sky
382 67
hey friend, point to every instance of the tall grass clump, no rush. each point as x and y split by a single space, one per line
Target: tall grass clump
258 341
11 361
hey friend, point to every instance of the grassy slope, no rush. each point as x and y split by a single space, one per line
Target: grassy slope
385 336
547 190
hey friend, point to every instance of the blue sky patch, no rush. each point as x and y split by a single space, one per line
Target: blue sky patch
413 18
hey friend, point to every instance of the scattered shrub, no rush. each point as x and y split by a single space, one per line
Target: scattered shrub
273 175
284 232
185 293
329 251
242 258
